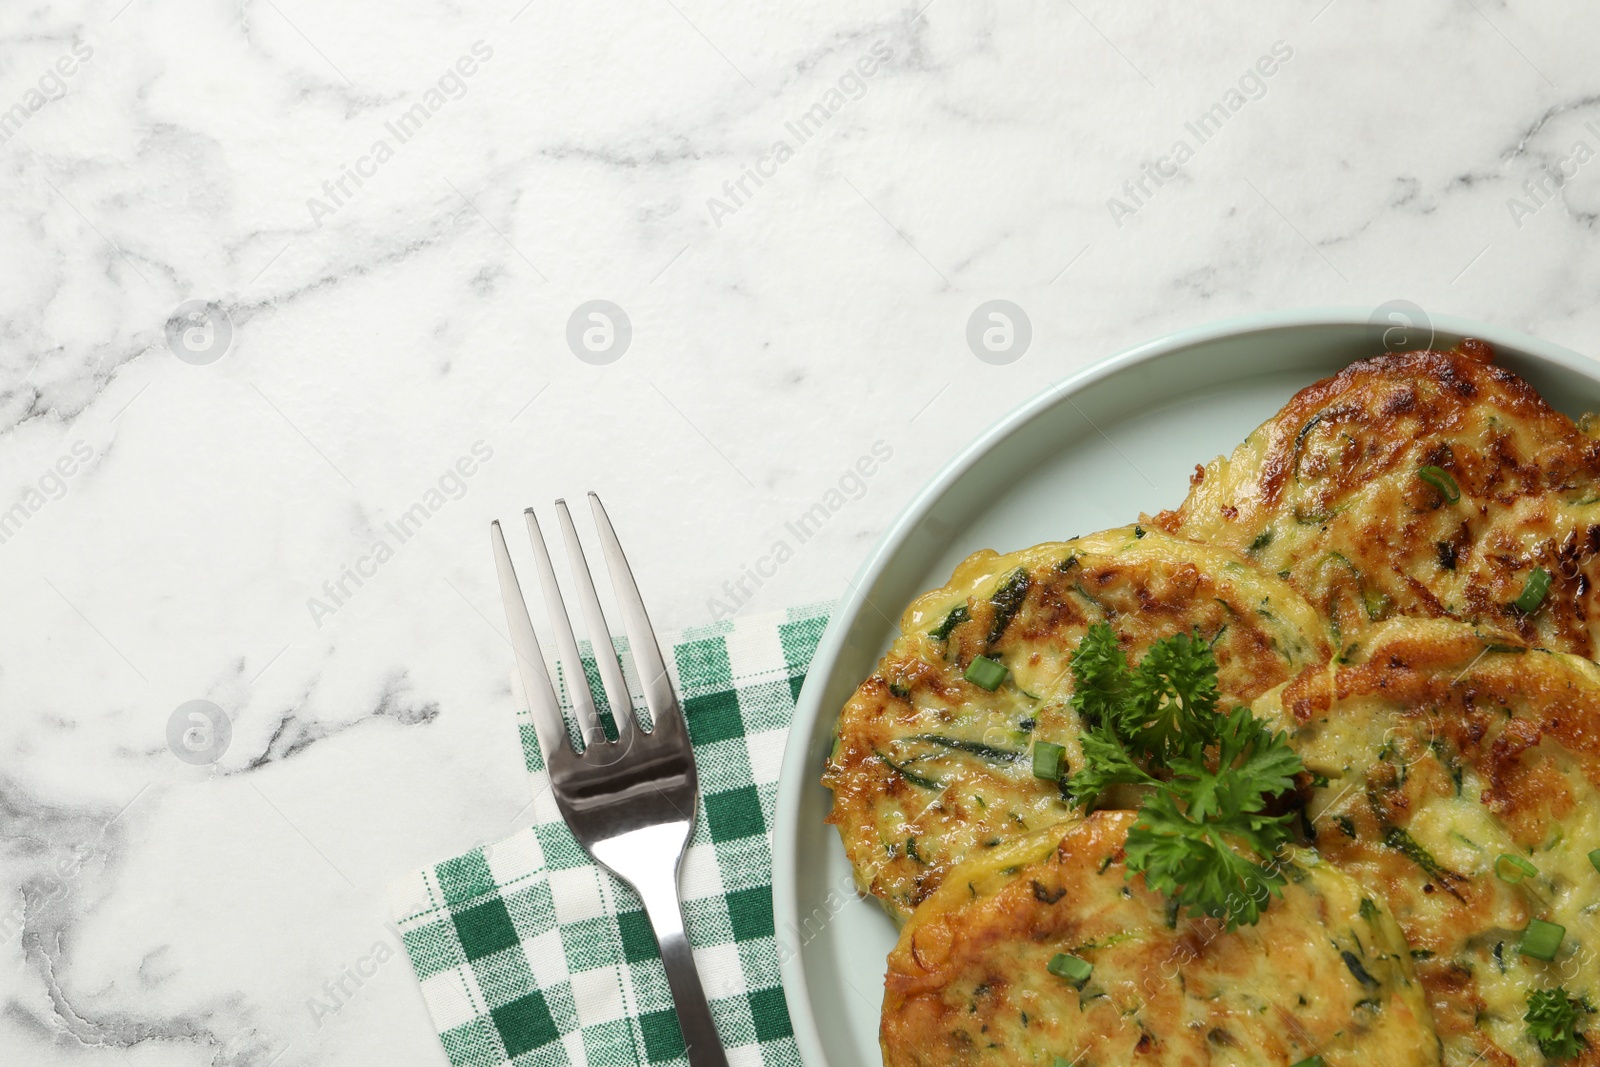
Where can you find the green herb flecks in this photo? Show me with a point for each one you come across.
(1441, 480)
(1007, 601)
(951, 621)
(1353, 964)
(1513, 869)
(1048, 760)
(1402, 842)
(1316, 518)
(908, 774)
(1300, 441)
(1533, 591)
(1542, 940)
(972, 748)
(986, 673)
(1071, 968)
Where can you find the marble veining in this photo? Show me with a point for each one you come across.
(263, 383)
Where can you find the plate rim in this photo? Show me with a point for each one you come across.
(792, 776)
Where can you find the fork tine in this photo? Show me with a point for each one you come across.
(594, 620)
(548, 725)
(658, 694)
(566, 644)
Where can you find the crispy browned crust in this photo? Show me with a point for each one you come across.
(968, 982)
(1442, 719)
(1329, 484)
(1437, 721)
(1148, 588)
(1453, 684)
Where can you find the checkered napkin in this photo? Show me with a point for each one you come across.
(528, 954)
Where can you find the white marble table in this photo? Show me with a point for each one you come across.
(385, 216)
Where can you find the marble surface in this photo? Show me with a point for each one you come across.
(285, 281)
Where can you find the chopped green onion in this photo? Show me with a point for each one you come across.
(1534, 592)
(1441, 480)
(1594, 859)
(1513, 869)
(986, 673)
(1311, 1061)
(1047, 760)
(1070, 967)
(1541, 940)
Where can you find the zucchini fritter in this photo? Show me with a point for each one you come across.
(970, 982)
(1463, 786)
(928, 767)
(1328, 493)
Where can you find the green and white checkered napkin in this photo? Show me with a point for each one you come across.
(528, 954)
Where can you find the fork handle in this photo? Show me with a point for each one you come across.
(700, 1038)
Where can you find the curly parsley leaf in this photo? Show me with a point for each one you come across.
(1099, 675)
(1552, 1020)
(1252, 763)
(1106, 763)
(1201, 836)
(1171, 697)
(1195, 864)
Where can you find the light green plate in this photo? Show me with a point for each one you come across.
(1103, 445)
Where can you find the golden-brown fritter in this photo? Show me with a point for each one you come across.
(1328, 494)
(928, 768)
(1463, 785)
(1324, 973)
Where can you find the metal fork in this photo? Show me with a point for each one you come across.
(630, 802)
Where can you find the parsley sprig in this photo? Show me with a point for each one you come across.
(1201, 837)
(1552, 1020)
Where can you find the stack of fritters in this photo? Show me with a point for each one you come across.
(1367, 565)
